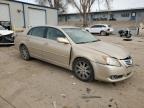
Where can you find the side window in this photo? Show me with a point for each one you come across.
(53, 34)
(100, 26)
(95, 26)
(37, 32)
(103, 26)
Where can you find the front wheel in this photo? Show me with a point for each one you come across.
(87, 30)
(83, 70)
(24, 52)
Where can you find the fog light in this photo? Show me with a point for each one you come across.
(114, 77)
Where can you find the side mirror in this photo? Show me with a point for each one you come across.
(62, 40)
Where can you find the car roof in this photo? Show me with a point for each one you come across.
(59, 27)
(100, 24)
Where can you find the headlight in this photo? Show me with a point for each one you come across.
(112, 61)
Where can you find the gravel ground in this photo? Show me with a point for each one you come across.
(37, 84)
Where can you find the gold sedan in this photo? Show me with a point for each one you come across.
(76, 49)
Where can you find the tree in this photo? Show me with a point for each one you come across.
(108, 6)
(84, 8)
(58, 4)
(41, 2)
(61, 5)
(50, 3)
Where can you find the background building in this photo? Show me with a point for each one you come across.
(134, 16)
(17, 15)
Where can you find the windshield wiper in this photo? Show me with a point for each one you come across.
(89, 41)
(81, 42)
(96, 40)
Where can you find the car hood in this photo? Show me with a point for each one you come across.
(5, 32)
(110, 49)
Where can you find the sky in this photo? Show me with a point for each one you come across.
(124, 4)
(116, 5)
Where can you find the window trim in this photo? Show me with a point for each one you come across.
(55, 29)
(98, 26)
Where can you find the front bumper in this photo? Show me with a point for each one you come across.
(7, 39)
(109, 32)
(109, 73)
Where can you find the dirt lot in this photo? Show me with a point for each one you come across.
(36, 84)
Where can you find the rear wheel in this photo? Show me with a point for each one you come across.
(24, 52)
(107, 34)
(83, 70)
(103, 33)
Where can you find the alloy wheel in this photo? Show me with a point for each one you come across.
(83, 70)
(24, 52)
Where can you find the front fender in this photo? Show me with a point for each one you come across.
(92, 56)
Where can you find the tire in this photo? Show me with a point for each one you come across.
(87, 30)
(107, 34)
(128, 36)
(83, 70)
(24, 52)
(103, 33)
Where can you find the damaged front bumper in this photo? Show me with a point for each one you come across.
(112, 73)
(7, 39)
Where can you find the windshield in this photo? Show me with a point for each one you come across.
(1, 28)
(80, 36)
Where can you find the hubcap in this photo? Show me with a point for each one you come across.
(83, 70)
(102, 33)
(24, 52)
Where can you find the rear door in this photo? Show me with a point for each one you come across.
(36, 41)
(55, 52)
(99, 28)
(94, 29)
